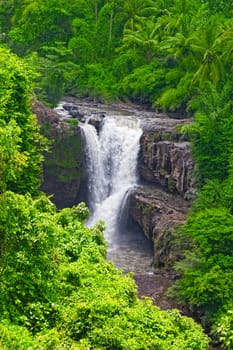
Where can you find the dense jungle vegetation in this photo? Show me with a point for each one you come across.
(56, 289)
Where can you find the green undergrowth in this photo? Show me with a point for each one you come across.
(59, 292)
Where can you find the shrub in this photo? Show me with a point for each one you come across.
(206, 283)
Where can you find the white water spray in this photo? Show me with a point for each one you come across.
(111, 161)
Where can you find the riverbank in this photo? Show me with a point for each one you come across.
(154, 286)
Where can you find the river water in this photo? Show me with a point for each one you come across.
(111, 162)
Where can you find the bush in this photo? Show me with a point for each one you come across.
(223, 328)
(176, 97)
(101, 84)
(15, 111)
(144, 83)
(206, 283)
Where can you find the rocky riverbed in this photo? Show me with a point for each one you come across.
(154, 286)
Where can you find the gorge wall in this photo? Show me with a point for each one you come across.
(165, 168)
(63, 174)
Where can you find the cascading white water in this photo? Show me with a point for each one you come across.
(111, 163)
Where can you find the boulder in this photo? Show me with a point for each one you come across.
(96, 119)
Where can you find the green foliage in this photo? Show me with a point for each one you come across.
(195, 37)
(54, 279)
(212, 134)
(212, 195)
(80, 212)
(12, 161)
(174, 98)
(143, 82)
(227, 188)
(34, 241)
(82, 50)
(143, 327)
(28, 259)
(18, 337)
(220, 6)
(25, 149)
(206, 272)
(206, 282)
(101, 83)
(224, 329)
(57, 72)
(105, 310)
(14, 337)
(58, 291)
(125, 63)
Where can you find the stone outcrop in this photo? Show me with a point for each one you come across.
(46, 116)
(165, 168)
(158, 214)
(165, 158)
(63, 166)
(83, 113)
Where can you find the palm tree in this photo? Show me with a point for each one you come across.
(135, 10)
(179, 45)
(207, 47)
(226, 42)
(144, 37)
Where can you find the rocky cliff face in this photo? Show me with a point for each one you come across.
(63, 170)
(159, 213)
(165, 168)
(165, 157)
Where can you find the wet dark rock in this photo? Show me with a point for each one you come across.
(96, 120)
(75, 112)
(67, 106)
(155, 286)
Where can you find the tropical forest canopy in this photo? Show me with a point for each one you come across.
(56, 288)
(160, 52)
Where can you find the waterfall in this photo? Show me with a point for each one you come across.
(111, 151)
(111, 165)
